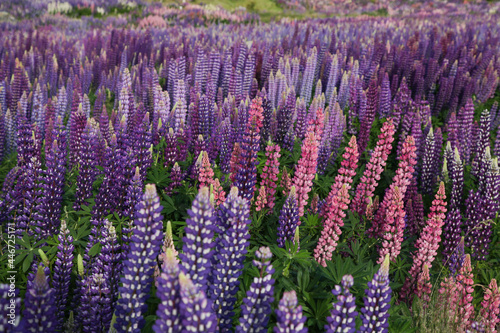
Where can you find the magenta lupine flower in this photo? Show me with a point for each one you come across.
(428, 243)
(169, 316)
(393, 227)
(375, 313)
(289, 315)
(306, 169)
(218, 193)
(246, 174)
(343, 315)
(256, 306)
(235, 157)
(261, 201)
(490, 306)
(336, 203)
(402, 179)
(270, 173)
(465, 289)
(374, 168)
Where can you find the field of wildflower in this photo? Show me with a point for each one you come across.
(186, 167)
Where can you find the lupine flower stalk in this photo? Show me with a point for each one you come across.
(424, 287)
(289, 219)
(374, 168)
(336, 203)
(230, 254)
(197, 249)
(465, 290)
(168, 291)
(270, 173)
(206, 173)
(138, 268)
(39, 308)
(343, 315)
(428, 243)
(375, 313)
(62, 272)
(256, 307)
(289, 315)
(490, 307)
(246, 176)
(393, 228)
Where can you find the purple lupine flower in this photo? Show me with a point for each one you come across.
(375, 313)
(289, 315)
(62, 272)
(385, 97)
(195, 308)
(289, 219)
(479, 166)
(78, 121)
(170, 147)
(197, 243)
(133, 196)
(228, 260)
(10, 305)
(343, 314)
(451, 233)
(168, 313)
(175, 179)
(428, 175)
(3, 137)
(465, 118)
(138, 268)
(142, 146)
(256, 307)
(87, 171)
(48, 208)
(456, 260)
(39, 308)
(95, 303)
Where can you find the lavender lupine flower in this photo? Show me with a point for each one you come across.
(369, 116)
(289, 315)
(289, 219)
(169, 315)
(62, 272)
(87, 171)
(10, 305)
(198, 241)
(195, 307)
(231, 250)
(256, 307)
(343, 314)
(109, 261)
(95, 303)
(138, 268)
(375, 313)
(39, 308)
(457, 258)
(134, 194)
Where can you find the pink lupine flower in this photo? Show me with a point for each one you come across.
(234, 162)
(465, 290)
(490, 307)
(371, 176)
(401, 180)
(286, 182)
(270, 174)
(393, 228)
(448, 297)
(218, 192)
(306, 170)
(424, 287)
(428, 243)
(336, 203)
(261, 201)
(206, 173)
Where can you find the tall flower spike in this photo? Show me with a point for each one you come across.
(195, 308)
(375, 313)
(169, 315)
(336, 203)
(428, 243)
(138, 268)
(393, 228)
(289, 315)
(39, 308)
(62, 272)
(270, 173)
(231, 250)
(343, 315)
(465, 290)
(246, 175)
(289, 219)
(424, 287)
(256, 307)
(490, 307)
(374, 168)
(198, 240)
(206, 173)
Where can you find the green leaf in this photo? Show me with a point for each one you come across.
(27, 262)
(94, 250)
